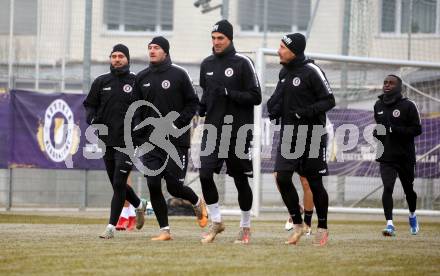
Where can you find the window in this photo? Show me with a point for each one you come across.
(396, 15)
(138, 15)
(282, 15)
(25, 17)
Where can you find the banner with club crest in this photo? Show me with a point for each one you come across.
(48, 131)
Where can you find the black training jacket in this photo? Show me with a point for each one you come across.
(169, 88)
(107, 102)
(235, 73)
(302, 95)
(402, 122)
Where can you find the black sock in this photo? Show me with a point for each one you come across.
(289, 195)
(308, 217)
(322, 223)
(320, 199)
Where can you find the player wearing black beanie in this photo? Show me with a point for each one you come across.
(230, 92)
(107, 102)
(168, 87)
(224, 27)
(123, 49)
(162, 42)
(301, 98)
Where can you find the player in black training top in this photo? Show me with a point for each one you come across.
(301, 99)
(107, 102)
(401, 120)
(230, 92)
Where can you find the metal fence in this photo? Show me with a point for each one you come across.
(356, 83)
(60, 45)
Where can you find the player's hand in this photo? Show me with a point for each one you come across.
(300, 113)
(217, 87)
(388, 127)
(275, 121)
(272, 117)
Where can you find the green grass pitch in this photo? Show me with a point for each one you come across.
(59, 245)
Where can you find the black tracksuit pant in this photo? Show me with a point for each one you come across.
(118, 166)
(389, 173)
(290, 197)
(174, 178)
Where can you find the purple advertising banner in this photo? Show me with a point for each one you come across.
(47, 131)
(359, 159)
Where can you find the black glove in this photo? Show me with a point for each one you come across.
(222, 91)
(273, 117)
(275, 105)
(90, 120)
(201, 112)
(392, 129)
(179, 123)
(300, 113)
(91, 116)
(217, 87)
(388, 127)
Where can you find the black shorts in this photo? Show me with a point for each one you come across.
(234, 164)
(121, 160)
(304, 165)
(155, 160)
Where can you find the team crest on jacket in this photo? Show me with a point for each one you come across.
(166, 84)
(396, 113)
(296, 81)
(229, 72)
(127, 88)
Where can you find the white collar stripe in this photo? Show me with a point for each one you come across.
(187, 74)
(183, 69)
(417, 109)
(252, 68)
(321, 75)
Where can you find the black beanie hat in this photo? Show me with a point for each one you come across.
(123, 49)
(224, 27)
(162, 42)
(295, 42)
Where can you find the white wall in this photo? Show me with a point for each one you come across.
(190, 38)
(191, 41)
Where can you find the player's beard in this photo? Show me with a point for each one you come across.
(120, 70)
